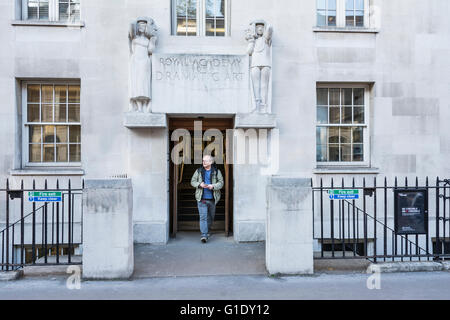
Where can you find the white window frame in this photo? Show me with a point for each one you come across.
(341, 14)
(53, 11)
(365, 125)
(26, 126)
(201, 17)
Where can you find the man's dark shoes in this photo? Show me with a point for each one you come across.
(204, 239)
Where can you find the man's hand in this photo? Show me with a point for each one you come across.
(210, 187)
(203, 185)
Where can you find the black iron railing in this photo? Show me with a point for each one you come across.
(357, 228)
(48, 234)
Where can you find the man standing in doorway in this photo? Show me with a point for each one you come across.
(208, 181)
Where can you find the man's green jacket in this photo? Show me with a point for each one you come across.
(216, 181)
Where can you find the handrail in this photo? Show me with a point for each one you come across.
(384, 225)
(20, 220)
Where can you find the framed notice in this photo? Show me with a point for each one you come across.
(411, 211)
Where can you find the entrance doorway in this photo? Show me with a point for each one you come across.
(183, 206)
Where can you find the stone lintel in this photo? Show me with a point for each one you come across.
(256, 120)
(133, 120)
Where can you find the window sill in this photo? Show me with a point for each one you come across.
(345, 30)
(79, 24)
(47, 172)
(346, 170)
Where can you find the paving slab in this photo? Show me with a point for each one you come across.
(186, 255)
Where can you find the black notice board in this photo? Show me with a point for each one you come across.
(411, 211)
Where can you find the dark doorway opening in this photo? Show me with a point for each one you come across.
(183, 206)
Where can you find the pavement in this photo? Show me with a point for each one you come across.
(186, 255)
(423, 286)
(186, 269)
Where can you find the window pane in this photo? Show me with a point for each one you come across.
(75, 12)
(34, 153)
(359, 4)
(74, 94)
(35, 134)
(74, 113)
(347, 115)
(322, 153)
(321, 4)
(349, 4)
(181, 27)
(331, 4)
(335, 115)
(210, 27)
(358, 152)
(333, 153)
(332, 18)
(192, 27)
(322, 97)
(333, 135)
(47, 94)
(33, 113)
(358, 135)
(359, 18)
(335, 97)
(347, 97)
(49, 134)
(33, 9)
(43, 10)
(359, 96)
(346, 135)
(33, 93)
(192, 8)
(61, 152)
(47, 113)
(220, 28)
(321, 18)
(49, 153)
(210, 10)
(75, 153)
(181, 7)
(63, 11)
(60, 94)
(321, 135)
(346, 152)
(60, 113)
(358, 115)
(349, 19)
(322, 115)
(61, 134)
(75, 134)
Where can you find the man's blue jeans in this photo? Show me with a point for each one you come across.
(206, 211)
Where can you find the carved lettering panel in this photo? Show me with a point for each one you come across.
(187, 83)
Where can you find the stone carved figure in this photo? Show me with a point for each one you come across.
(142, 41)
(259, 37)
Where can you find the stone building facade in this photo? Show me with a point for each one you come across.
(355, 90)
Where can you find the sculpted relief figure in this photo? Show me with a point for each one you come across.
(142, 42)
(259, 37)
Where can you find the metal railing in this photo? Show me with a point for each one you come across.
(48, 234)
(365, 227)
